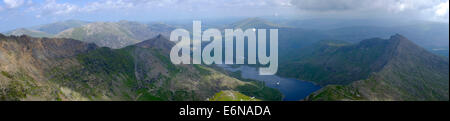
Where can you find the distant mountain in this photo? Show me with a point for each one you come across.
(55, 28)
(29, 32)
(424, 34)
(67, 69)
(47, 30)
(330, 23)
(433, 36)
(159, 43)
(293, 40)
(116, 35)
(101, 33)
(257, 23)
(374, 69)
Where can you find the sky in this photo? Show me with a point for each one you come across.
(26, 13)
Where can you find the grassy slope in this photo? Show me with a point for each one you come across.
(231, 96)
(335, 93)
(411, 74)
(328, 61)
(257, 89)
(112, 73)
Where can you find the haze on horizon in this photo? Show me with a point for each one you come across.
(25, 13)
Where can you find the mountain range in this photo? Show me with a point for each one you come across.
(47, 30)
(77, 60)
(116, 35)
(68, 69)
(104, 34)
(432, 36)
(374, 69)
(29, 32)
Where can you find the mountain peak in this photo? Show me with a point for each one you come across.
(398, 36)
(393, 42)
(159, 37)
(405, 43)
(158, 42)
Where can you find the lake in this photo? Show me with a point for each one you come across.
(292, 89)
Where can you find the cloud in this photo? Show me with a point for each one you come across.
(13, 3)
(49, 7)
(346, 5)
(328, 5)
(442, 9)
(441, 12)
(107, 4)
(425, 9)
(52, 7)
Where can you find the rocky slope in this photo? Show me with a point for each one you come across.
(66, 69)
(400, 70)
(116, 34)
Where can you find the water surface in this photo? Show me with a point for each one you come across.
(292, 89)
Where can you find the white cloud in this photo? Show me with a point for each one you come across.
(327, 5)
(107, 4)
(440, 12)
(423, 9)
(343, 5)
(442, 9)
(13, 3)
(51, 7)
(57, 7)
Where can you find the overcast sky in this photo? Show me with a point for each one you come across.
(24, 13)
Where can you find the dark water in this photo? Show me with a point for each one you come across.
(292, 89)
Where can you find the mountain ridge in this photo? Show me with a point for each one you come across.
(409, 72)
(115, 34)
(68, 69)
(29, 32)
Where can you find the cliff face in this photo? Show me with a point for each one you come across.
(66, 69)
(411, 74)
(402, 71)
(24, 62)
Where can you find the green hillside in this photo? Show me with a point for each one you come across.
(402, 71)
(65, 69)
(115, 34)
(231, 96)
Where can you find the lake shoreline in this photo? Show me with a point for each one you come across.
(292, 89)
